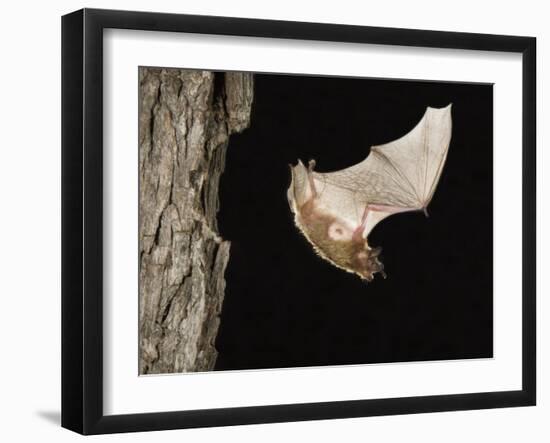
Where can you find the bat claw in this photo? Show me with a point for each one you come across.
(425, 209)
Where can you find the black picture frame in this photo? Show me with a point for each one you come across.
(82, 218)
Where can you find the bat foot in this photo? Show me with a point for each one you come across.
(311, 165)
(425, 210)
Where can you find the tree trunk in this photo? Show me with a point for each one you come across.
(185, 120)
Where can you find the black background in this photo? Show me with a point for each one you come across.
(286, 307)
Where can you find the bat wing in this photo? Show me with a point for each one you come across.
(395, 177)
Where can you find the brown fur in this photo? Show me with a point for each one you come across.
(353, 255)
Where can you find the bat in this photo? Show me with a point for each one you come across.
(336, 211)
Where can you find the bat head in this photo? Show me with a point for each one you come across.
(366, 264)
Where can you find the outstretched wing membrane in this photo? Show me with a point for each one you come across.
(395, 177)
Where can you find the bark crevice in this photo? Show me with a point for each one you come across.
(185, 121)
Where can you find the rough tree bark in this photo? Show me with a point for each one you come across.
(185, 121)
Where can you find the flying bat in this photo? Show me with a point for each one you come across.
(337, 210)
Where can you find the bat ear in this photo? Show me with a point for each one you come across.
(299, 190)
(375, 252)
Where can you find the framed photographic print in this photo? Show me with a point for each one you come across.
(269, 221)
